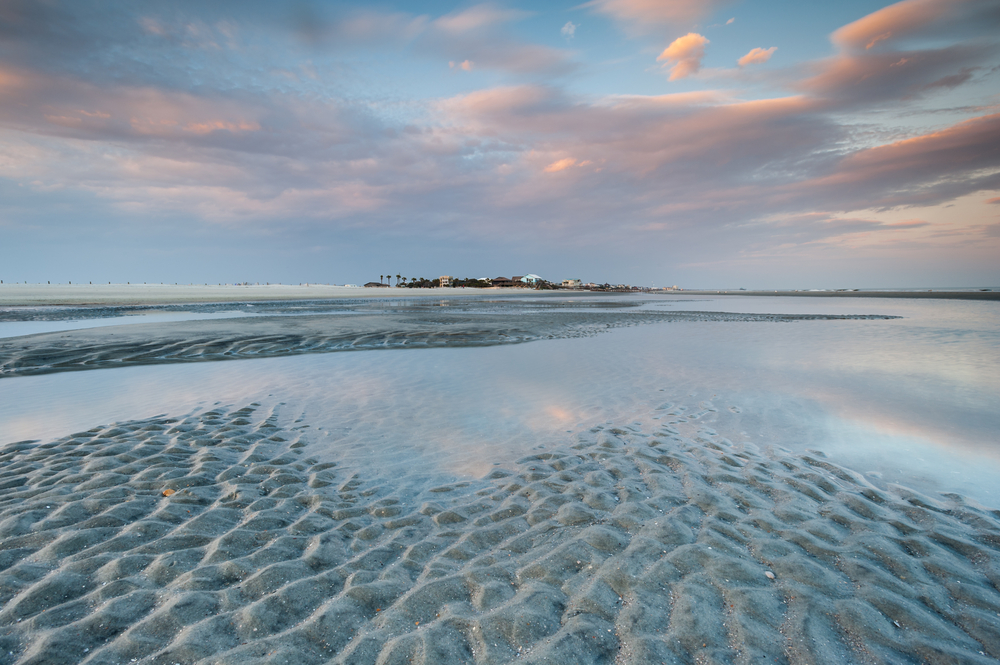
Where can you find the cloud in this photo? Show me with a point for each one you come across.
(757, 56)
(649, 13)
(479, 35)
(569, 30)
(560, 165)
(902, 52)
(891, 23)
(868, 78)
(923, 170)
(477, 18)
(995, 200)
(731, 21)
(465, 65)
(684, 55)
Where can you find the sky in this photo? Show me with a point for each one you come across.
(698, 143)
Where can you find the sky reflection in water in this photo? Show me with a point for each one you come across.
(913, 400)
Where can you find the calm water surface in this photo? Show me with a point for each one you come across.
(914, 401)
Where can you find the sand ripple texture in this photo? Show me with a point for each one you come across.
(271, 336)
(624, 547)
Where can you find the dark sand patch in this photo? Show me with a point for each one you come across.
(271, 336)
(623, 547)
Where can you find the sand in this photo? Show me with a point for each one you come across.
(620, 546)
(970, 294)
(158, 294)
(406, 324)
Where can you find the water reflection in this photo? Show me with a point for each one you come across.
(915, 400)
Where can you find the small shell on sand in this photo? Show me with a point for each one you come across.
(168, 492)
(769, 575)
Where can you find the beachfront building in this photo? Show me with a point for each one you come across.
(502, 281)
(446, 280)
(572, 283)
(376, 285)
(531, 279)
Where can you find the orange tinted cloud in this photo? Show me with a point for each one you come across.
(639, 12)
(958, 146)
(891, 22)
(923, 170)
(757, 56)
(560, 165)
(685, 54)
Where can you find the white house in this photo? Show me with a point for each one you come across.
(446, 280)
(572, 283)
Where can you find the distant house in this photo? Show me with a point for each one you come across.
(572, 283)
(531, 279)
(447, 280)
(502, 281)
(376, 285)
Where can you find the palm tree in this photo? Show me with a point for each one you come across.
(380, 278)
(397, 279)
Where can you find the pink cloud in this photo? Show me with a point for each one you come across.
(560, 165)
(684, 55)
(891, 22)
(878, 60)
(638, 12)
(867, 77)
(995, 199)
(924, 170)
(757, 56)
(969, 144)
(476, 18)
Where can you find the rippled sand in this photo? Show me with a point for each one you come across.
(622, 546)
(407, 325)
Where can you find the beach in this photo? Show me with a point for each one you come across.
(491, 480)
(160, 294)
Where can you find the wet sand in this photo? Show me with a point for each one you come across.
(159, 294)
(621, 546)
(471, 323)
(976, 294)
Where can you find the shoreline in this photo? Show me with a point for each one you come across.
(41, 295)
(213, 538)
(943, 295)
(36, 295)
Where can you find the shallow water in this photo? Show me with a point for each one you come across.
(914, 400)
